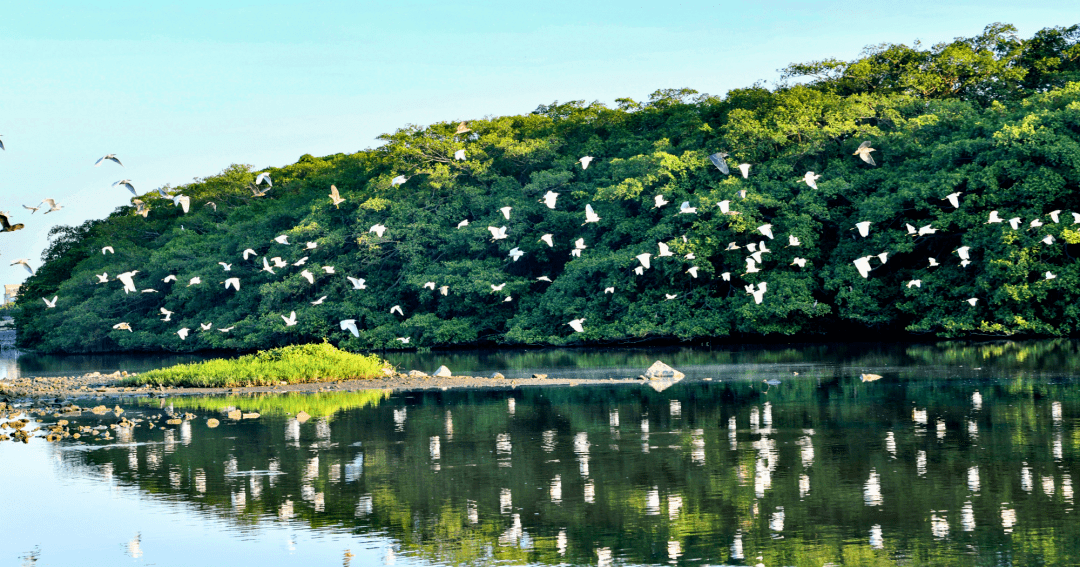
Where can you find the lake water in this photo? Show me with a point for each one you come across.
(959, 455)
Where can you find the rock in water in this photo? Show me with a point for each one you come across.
(442, 372)
(302, 416)
(235, 414)
(417, 374)
(661, 371)
(212, 423)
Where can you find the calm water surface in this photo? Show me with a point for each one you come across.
(959, 455)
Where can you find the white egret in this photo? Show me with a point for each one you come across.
(516, 253)
(266, 266)
(741, 193)
(311, 246)
(52, 205)
(31, 209)
(429, 285)
(166, 313)
(290, 321)
(1049, 276)
(726, 276)
(168, 278)
(182, 201)
(183, 333)
(664, 250)
(644, 259)
(126, 183)
(744, 168)
(692, 271)
(549, 199)
(659, 201)
(883, 257)
(463, 223)
(107, 249)
(194, 281)
(108, 157)
(50, 304)
(911, 230)
(690, 256)
(498, 287)
(1015, 223)
(590, 215)
(319, 301)
(863, 265)
(963, 252)
(863, 228)
(933, 263)
(206, 326)
(508, 299)
(1049, 239)
(766, 229)
(757, 256)
(686, 209)
(123, 326)
(497, 233)
(579, 244)
(640, 270)
(972, 301)
(953, 199)
(585, 161)
(609, 290)
(358, 283)
(864, 152)
(444, 290)
(914, 283)
(308, 276)
(671, 296)
(576, 252)
(404, 340)
(264, 176)
(576, 325)
(300, 262)
(278, 262)
(1036, 223)
(732, 246)
(127, 278)
(329, 269)
(1054, 216)
(793, 240)
(150, 290)
(459, 155)
(249, 252)
(725, 207)
(718, 160)
(964, 263)
(994, 218)
(547, 239)
(227, 329)
(926, 230)
(349, 325)
(800, 262)
(102, 278)
(226, 267)
(378, 229)
(751, 267)
(233, 282)
(810, 178)
(506, 212)
(1076, 218)
(284, 239)
(462, 128)
(543, 279)
(335, 197)
(759, 293)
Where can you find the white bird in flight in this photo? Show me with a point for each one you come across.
(399, 180)
(1054, 216)
(168, 278)
(926, 230)
(498, 287)
(547, 239)
(249, 252)
(52, 205)
(800, 262)
(664, 250)
(717, 159)
(319, 301)
(25, 263)
(914, 283)
(585, 161)
(863, 228)
(226, 267)
(549, 199)
(864, 152)
(1015, 223)
(972, 301)
(166, 313)
(506, 212)
(107, 249)
(994, 218)
(31, 209)
(378, 229)
(290, 321)
(759, 293)
(963, 252)
(358, 283)
(308, 276)
(126, 183)
(404, 340)
(194, 281)
(50, 304)
(863, 265)
(266, 266)
(659, 201)
(726, 276)
(644, 259)
(234, 282)
(463, 223)
(609, 290)
(751, 266)
(328, 269)
(576, 325)
(766, 229)
(793, 240)
(349, 325)
(933, 263)
(497, 233)
(206, 326)
(102, 278)
(590, 214)
(516, 253)
(1049, 239)
(692, 271)
(398, 309)
(810, 178)
(1049, 276)
(183, 333)
(123, 326)
(744, 168)
(264, 176)
(335, 197)
(284, 239)
(182, 201)
(459, 155)
(686, 209)
(108, 157)
(953, 199)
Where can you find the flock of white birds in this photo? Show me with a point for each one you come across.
(757, 250)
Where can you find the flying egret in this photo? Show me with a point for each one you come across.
(227, 329)
(429, 285)
(964, 263)
(1036, 223)
(926, 230)
(744, 168)
(266, 266)
(308, 276)
(398, 309)
(31, 209)
(25, 263)
(50, 304)
(953, 199)
(547, 239)
(168, 278)
(226, 267)
(549, 199)
(249, 252)
(508, 299)
(732, 246)
(462, 128)
(166, 313)
(725, 207)
(1076, 218)
(444, 290)
(726, 276)
(107, 249)
(741, 193)
(579, 244)
(278, 262)
(2, 145)
(933, 263)
(300, 262)
(358, 283)
(150, 290)
(234, 282)
(644, 259)
(810, 178)
(257, 191)
(126, 183)
(497, 233)
(751, 267)
(206, 326)
(52, 207)
(123, 326)
(717, 159)
(759, 293)
(264, 176)
(102, 277)
(800, 262)
(690, 256)
(319, 301)
(1015, 223)
(686, 209)
(378, 229)
(290, 321)
(498, 287)
(463, 223)
(404, 340)
(1049, 239)
(762, 248)
(1049, 276)
(671, 296)
(585, 161)
(183, 333)
(994, 218)
(182, 201)
(766, 229)
(757, 256)
(310, 246)
(1054, 216)
(863, 228)
(914, 283)
(349, 325)
(640, 270)
(459, 155)
(335, 197)
(911, 230)
(883, 257)
(972, 301)
(590, 215)
(194, 281)
(659, 201)
(752, 246)
(576, 325)
(107, 157)
(664, 250)
(127, 278)
(543, 279)
(328, 269)
(693, 271)
(506, 212)
(609, 290)
(516, 253)
(963, 252)
(864, 152)
(863, 265)
(793, 240)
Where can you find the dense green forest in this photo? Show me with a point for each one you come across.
(994, 118)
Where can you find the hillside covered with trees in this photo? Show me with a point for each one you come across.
(994, 118)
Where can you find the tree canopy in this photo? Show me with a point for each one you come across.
(994, 118)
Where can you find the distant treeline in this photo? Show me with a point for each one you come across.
(994, 118)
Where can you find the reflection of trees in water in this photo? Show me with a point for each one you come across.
(811, 471)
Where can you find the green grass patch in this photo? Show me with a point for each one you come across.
(318, 404)
(297, 364)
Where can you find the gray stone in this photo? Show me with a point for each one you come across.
(417, 374)
(442, 372)
(661, 371)
(498, 376)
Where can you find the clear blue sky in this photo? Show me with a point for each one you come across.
(182, 90)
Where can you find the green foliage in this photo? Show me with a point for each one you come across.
(994, 117)
(297, 364)
(315, 404)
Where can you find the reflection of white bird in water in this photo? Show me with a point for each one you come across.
(585, 161)
(350, 325)
(398, 309)
(590, 215)
(549, 199)
(811, 179)
(576, 325)
(547, 239)
(290, 321)
(497, 233)
(166, 313)
(108, 157)
(659, 201)
(686, 209)
(183, 333)
(644, 259)
(358, 283)
(506, 212)
(50, 304)
(864, 153)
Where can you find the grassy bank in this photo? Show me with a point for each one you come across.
(297, 364)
